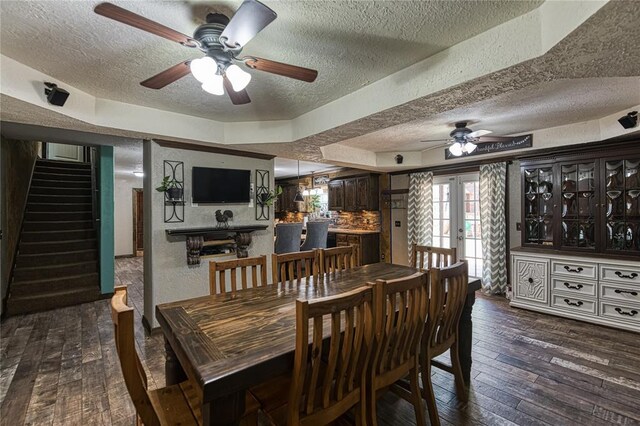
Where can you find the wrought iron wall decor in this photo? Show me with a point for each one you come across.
(262, 191)
(174, 207)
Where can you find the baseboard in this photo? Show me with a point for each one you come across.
(147, 327)
(125, 256)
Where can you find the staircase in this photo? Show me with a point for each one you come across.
(57, 260)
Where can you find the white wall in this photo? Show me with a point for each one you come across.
(168, 278)
(123, 210)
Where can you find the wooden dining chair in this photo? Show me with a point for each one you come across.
(448, 292)
(171, 405)
(400, 309)
(329, 378)
(338, 259)
(427, 257)
(256, 266)
(290, 267)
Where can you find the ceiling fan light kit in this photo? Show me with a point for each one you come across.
(221, 40)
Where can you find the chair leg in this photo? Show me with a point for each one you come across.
(461, 388)
(372, 409)
(416, 397)
(427, 391)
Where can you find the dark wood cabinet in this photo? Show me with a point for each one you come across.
(367, 245)
(284, 202)
(336, 195)
(354, 194)
(587, 203)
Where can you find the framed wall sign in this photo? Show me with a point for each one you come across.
(517, 142)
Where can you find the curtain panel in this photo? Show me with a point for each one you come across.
(420, 210)
(493, 227)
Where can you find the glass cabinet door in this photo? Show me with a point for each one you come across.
(578, 205)
(538, 205)
(622, 188)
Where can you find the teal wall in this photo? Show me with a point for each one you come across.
(107, 267)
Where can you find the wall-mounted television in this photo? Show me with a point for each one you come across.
(211, 185)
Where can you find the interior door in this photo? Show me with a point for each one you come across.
(456, 217)
(58, 151)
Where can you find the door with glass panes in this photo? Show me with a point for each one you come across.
(456, 217)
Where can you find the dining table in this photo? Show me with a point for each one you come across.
(226, 343)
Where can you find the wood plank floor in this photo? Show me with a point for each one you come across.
(61, 367)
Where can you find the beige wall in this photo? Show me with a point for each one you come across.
(123, 210)
(167, 276)
(18, 158)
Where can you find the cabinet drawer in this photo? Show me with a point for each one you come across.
(614, 291)
(620, 274)
(574, 304)
(353, 239)
(341, 238)
(621, 312)
(530, 280)
(586, 288)
(582, 270)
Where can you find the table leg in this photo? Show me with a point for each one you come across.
(224, 411)
(465, 338)
(173, 371)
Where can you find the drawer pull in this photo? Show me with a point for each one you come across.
(633, 293)
(530, 280)
(577, 271)
(570, 303)
(574, 287)
(631, 277)
(631, 314)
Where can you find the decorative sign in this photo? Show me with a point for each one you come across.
(320, 180)
(517, 142)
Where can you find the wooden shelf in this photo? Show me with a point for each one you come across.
(215, 230)
(218, 242)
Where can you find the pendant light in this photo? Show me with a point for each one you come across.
(298, 198)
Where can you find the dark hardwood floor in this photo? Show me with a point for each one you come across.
(61, 367)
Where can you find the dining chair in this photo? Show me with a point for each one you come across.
(400, 310)
(434, 257)
(256, 266)
(338, 259)
(289, 267)
(448, 292)
(317, 232)
(288, 236)
(329, 377)
(170, 405)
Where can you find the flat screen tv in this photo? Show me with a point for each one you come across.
(220, 185)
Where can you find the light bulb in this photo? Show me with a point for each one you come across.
(203, 68)
(469, 147)
(305, 192)
(456, 149)
(238, 78)
(214, 85)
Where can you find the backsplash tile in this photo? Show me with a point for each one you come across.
(365, 220)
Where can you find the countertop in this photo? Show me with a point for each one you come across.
(352, 231)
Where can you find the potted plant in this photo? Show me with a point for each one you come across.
(171, 188)
(268, 198)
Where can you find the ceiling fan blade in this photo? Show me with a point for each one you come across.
(167, 76)
(286, 70)
(438, 140)
(479, 133)
(250, 18)
(237, 98)
(495, 139)
(442, 145)
(123, 15)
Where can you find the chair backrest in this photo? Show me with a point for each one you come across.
(426, 257)
(217, 273)
(288, 236)
(132, 370)
(338, 259)
(330, 379)
(448, 292)
(400, 312)
(290, 267)
(317, 232)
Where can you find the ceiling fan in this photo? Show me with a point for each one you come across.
(221, 40)
(463, 140)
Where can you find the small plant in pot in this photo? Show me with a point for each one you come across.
(171, 188)
(268, 198)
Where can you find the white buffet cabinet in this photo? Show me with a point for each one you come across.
(597, 290)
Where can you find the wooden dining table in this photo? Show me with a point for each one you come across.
(227, 343)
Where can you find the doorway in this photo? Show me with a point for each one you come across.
(138, 222)
(65, 152)
(456, 217)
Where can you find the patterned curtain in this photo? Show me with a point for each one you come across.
(420, 210)
(493, 227)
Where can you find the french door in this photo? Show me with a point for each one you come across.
(456, 217)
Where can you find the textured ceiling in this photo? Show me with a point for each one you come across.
(350, 43)
(284, 167)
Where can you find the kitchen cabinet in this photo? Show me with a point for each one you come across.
(367, 246)
(284, 202)
(354, 193)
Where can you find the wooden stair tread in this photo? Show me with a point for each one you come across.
(58, 253)
(56, 221)
(60, 265)
(56, 293)
(45, 280)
